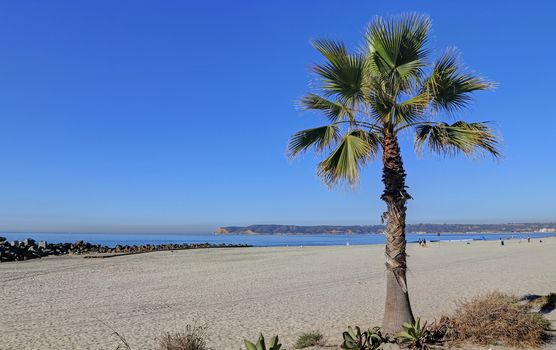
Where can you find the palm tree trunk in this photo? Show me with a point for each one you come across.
(397, 309)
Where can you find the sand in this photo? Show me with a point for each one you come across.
(69, 302)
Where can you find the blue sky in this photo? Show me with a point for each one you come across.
(173, 116)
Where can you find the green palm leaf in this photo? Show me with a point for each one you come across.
(319, 138)
(450, 86)
(397, 48)
(460, 137)
(334, 51)
(352, 152)
(381, 103)
(412, 109)
(334, 111)
(344, 76)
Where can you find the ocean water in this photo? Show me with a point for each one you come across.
(258, 240)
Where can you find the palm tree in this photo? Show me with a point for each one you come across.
(388, 87)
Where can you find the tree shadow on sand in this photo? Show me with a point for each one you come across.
(545, 303)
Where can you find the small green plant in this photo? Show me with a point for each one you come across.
(415, 336)
(309, 339)
(273, 345)
(371, 339)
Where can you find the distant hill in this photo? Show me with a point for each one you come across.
(378, 229)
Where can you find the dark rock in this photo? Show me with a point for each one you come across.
(19, 251)
(28, 242)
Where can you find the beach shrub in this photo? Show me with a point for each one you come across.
(193, 338)
(415, 335)
(273, 345)
(313, 338)
(371, 339)
(498, 319)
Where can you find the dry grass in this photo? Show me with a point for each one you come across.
(193, 338)
(498, 319)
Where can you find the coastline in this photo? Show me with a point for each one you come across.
(420, 228)
(240, 292)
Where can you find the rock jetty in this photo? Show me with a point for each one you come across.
(31, 249)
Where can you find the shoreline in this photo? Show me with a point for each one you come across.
(15, 250)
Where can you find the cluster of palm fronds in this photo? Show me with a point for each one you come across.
(389, 85)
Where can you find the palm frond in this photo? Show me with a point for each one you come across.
(412, 109)
(319, 138)
(353, 151)
(334, 111)
(373, 138)
(381, 103)
(450, 86)
(459, 137)
(344, 76)
(397, 47)
(333, 51)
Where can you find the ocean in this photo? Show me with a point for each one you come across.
(259, 240)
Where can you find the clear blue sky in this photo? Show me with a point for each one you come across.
(173, 116)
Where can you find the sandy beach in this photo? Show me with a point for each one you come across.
(67, 302)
